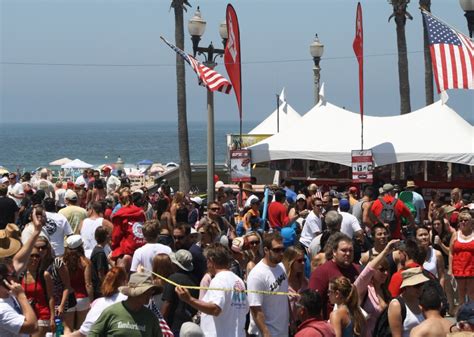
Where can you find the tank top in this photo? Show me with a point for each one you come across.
(36, 295)
(348, 331)
(78, 283)
(463, 257)
(88, 234)
(432, 263)
(411, 320)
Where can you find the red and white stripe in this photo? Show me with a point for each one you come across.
(209, 77)
(453, 65)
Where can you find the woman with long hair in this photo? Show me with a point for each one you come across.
(80, 272)
(293, 260)
(461, 257)
(434, 262)
(348, 319)
(38, 286)
(253, 250)
(372, 286)
(115, 278)
(178, 209)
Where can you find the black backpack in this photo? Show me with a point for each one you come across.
(388, 215)
(382, 327)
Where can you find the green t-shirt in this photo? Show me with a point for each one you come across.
(119, 321)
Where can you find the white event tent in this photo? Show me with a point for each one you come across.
(76, 164)
(329, 133)
(280, 120)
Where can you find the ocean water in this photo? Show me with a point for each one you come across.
(29, 146)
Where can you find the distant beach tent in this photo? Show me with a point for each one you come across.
(60, 162)
(393, 139)
(280, 120)
(76, 164)
(145, 162)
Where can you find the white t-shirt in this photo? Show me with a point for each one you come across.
(28, 232)
(275, 308)
(112, 183)
(11, 318)
(16, 189)
(88, 234)
(311, 227)
(97, 307)
(234, 306)
(315, 245)
(59, 196)
(57, 228)
(82, 181)
(349, 224)
(145, 254)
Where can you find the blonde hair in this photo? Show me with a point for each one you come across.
(289, 257)
(350, 297)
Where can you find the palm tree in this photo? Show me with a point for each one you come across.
(400, 13)
(185, 162)
(426, 5)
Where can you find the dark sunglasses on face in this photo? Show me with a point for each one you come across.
(254, 243)
(278, 250)
(215, 209)
(41, 247)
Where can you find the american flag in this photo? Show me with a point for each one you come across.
(207, 76)
(452, 55)
(165, 329)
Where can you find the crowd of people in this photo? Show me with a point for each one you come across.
(94, 257)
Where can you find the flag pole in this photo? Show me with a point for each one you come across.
(278, 113)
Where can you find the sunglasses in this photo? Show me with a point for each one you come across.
(41, 247)
(215, 209)
(278, 250)
(254, 243)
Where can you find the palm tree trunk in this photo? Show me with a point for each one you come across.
(185, 163)
(404, 84)
(426, 4)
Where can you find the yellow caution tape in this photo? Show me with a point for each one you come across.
(262, 292)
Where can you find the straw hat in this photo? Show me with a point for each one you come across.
(10, 242)
(247, 187)
(410, 184)
(139, 283)
(413, 277)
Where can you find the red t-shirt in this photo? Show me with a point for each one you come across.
(277, 215)
(396, 280)
(320, 277)
(127, 233)
(400, 210)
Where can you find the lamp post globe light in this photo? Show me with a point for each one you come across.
(316, 48)
(196, 28)
(468, 7)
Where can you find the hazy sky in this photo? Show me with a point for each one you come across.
(92, 60)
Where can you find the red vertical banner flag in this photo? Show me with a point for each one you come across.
(232, 55)
(358, 46)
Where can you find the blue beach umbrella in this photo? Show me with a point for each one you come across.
(145, 162)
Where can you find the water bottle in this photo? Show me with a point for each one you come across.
(59, 327)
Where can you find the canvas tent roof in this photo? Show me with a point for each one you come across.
(280, 119)
(76, 164)
(329, 133)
